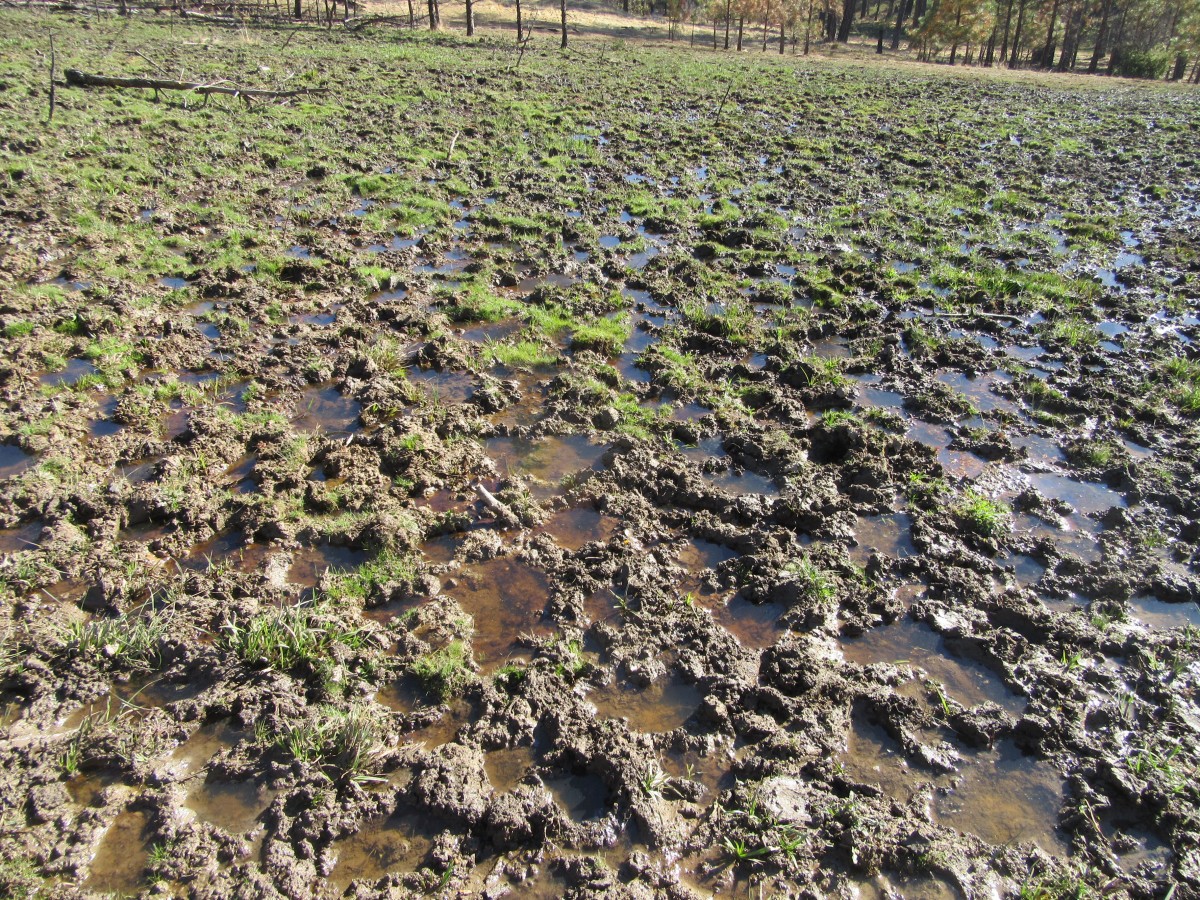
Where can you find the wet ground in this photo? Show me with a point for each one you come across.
(810, 510)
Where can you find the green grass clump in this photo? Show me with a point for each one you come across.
(1183, 382)
(551, 320)
(678, 369)
(475, 302)
(389, 568)
(18, 329)
(983, 515)
(522, 355)
(132, 640)
(606, 336)
(1074, 333)
(282, 639)
(816, 583)
(735, 321)
(445, 673)
(346, 739)
(1097, 454)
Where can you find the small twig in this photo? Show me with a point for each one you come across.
(453, 141)
(53, 93)
(293, 33)
(149, 60)
(524, 46)
(721, 108)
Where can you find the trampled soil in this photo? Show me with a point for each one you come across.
(488, 479)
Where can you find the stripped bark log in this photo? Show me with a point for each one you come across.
(503, 514)
(75, 78)
(210, 19)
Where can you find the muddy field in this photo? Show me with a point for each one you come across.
(630, 473)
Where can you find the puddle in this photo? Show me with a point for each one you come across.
(1038, 448)
(832, 348)
(324, 409)
(747, 482)
(310, 563)
(582, 797)
(914, 887)
(1160, 614)
(936, 437)
(120, 860)
(872, 757)
(755, 625)
(396, 243)
(1078, 536)
(231, 548)
(888, 534)
(961, 464)
(395, 844)
(441, 550)
(1028, 570)
(1005, 797)
(75, 369)
(195, 753)
(24, 537)
(506, 768)
(700, 554)
(1085, 496)
(444, 387)
(506, 598)
(661, 706)
(493, 331)
(912, 643)
(574, 527)
(232, 806)
(979, 390)
(534, 282)
(103, 425)
(610, 241)
(548, 461)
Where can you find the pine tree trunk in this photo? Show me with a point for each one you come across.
(562, 6)
(1007, 32)
(1101, 36)
(900, 13)
(848, 7)
(470, 18)
(1048, 49)
(1015, 52)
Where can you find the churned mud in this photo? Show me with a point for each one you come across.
(544, 481)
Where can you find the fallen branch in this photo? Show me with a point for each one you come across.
(357, 24)
(503, 513)
(75, 78)
(212, 20)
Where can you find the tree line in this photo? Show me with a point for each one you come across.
(1133, 38)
